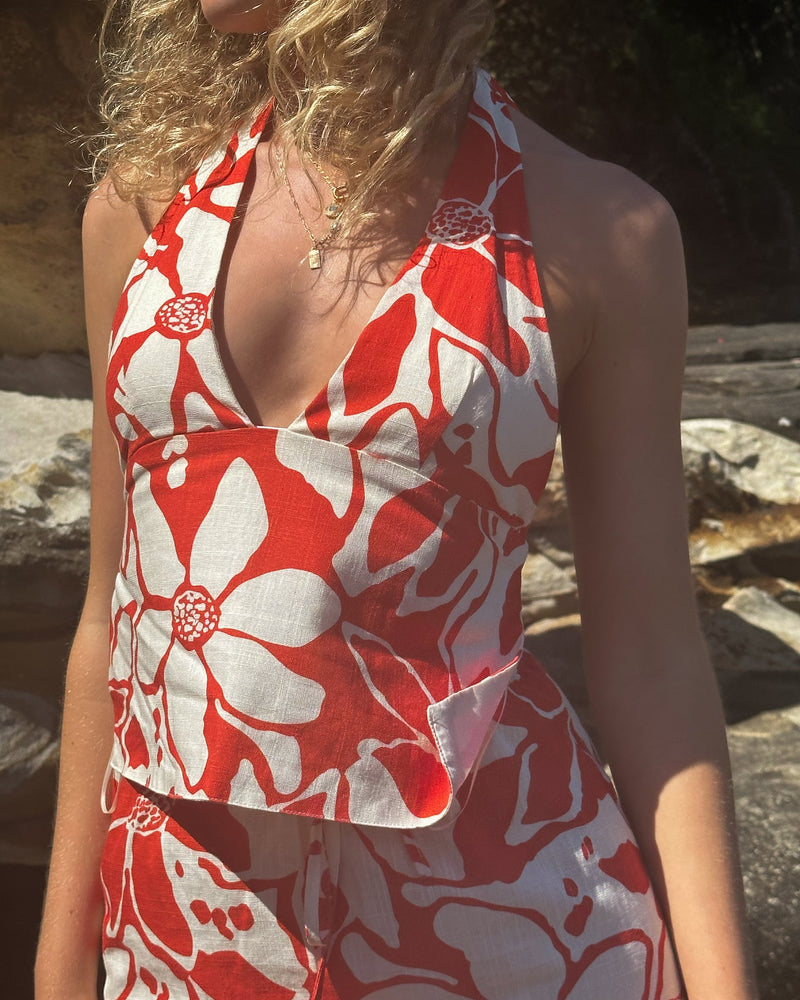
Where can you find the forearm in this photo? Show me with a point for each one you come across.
(70, 939)
(662, 731)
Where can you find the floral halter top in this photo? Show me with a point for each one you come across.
(323, 618)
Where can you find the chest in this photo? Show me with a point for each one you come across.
(439, 362)
(282, 327)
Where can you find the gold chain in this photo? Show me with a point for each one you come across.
(340, 194)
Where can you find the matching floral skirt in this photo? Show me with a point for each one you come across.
(535, 892)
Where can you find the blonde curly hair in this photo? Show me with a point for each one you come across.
(363, 85)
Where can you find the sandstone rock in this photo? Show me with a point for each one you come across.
(550, 519)
(725, 344)
(55, 489)
(764, 612)
(564, 558)
(742, 484)
(31, 426)
(44, 511)
(770, 534)
(745, 373)
(548, 591)
(764, 393)
(51, 373)
(43, 88)
(765, 756)
(787, 594)
(33, 657)
(753, 632)
(28, 756)
(754, 643)
(734, 468)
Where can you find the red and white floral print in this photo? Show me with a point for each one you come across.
(536, 889)
(352, 780)
(323, 618)
(195, 620)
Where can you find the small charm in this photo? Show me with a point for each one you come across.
(314, 258)
(332, 211)
(335, 226)
(340, 192)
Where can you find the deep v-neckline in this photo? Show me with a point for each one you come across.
(323, 393)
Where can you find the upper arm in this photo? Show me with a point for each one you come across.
(620, 425)
(113, 234)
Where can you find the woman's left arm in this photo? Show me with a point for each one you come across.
(652, 689)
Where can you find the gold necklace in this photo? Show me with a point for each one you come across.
(333, 211)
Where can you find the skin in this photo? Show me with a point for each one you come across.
(610, 258)
(242, 16)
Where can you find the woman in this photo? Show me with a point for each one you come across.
(330, 767)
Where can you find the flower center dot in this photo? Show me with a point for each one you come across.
(195, 616)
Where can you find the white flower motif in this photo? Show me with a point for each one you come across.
(225, 629)
(145, 387)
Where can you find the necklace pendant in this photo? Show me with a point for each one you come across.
(314, 258)
(332, 211)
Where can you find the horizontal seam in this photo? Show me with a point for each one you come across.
(158, 441)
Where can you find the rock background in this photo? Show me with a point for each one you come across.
(743, 491)
(589, 74)
(44, 79)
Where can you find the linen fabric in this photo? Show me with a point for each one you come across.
(536, 891)
(338, 773)
(323, 619)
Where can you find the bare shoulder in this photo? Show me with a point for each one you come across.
(113, 233)
(113, 223)
(118, 224)
(602, 236)
(610, 258)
